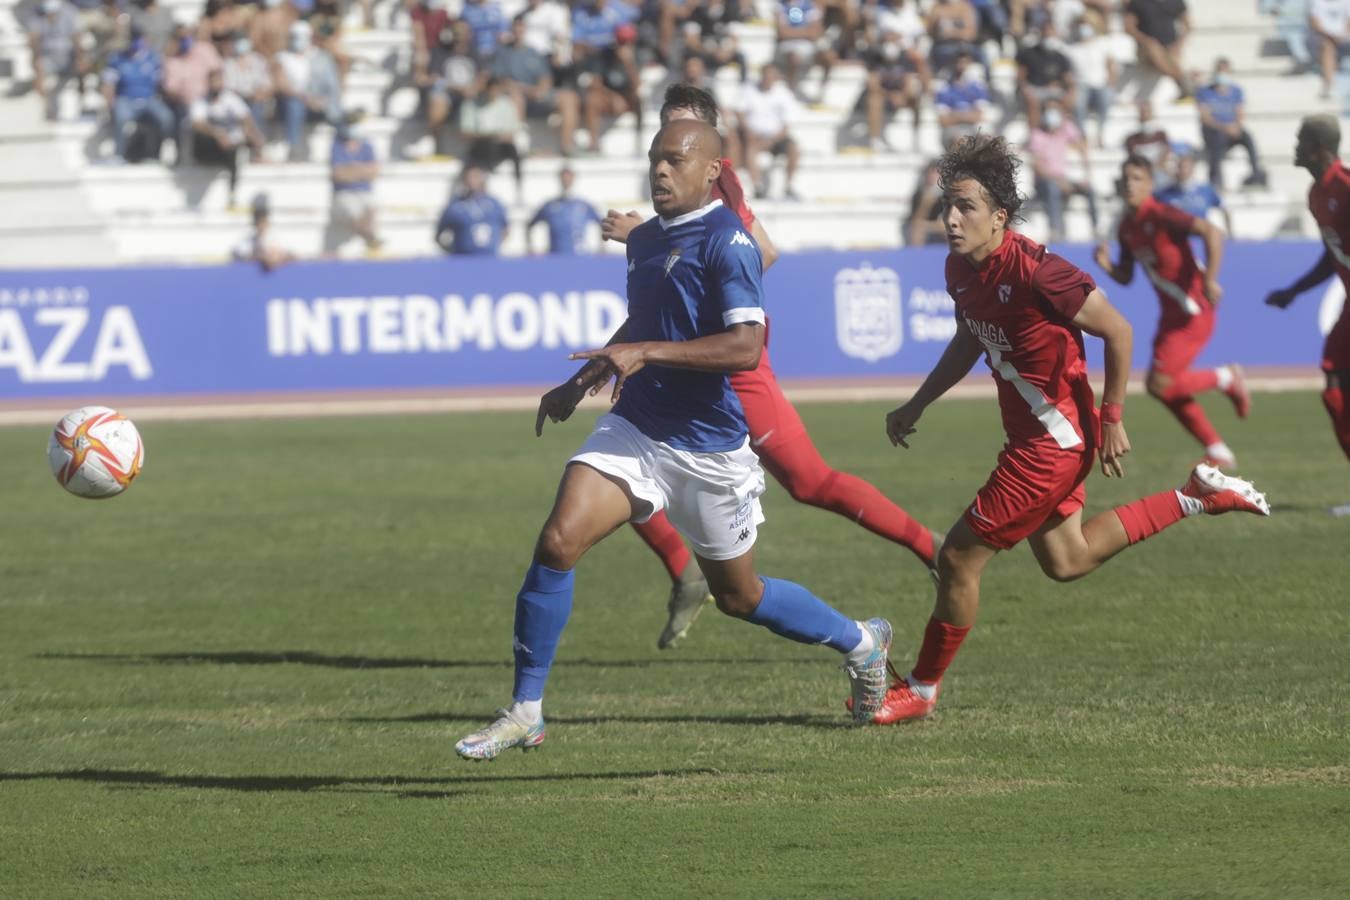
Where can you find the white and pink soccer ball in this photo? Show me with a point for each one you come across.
(95, 452)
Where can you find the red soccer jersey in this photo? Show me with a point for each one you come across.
(1020, 305)
(1329, 200)
(728, 189)
(1158, 237)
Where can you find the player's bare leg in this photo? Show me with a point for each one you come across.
(791, 611)
(588, 506)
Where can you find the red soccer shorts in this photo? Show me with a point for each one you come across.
(1032, 483)
(768, 414)
(1336, 351)
(1177, 344)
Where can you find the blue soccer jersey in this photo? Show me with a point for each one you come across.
(689, 277)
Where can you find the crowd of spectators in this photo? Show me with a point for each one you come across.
(497, 80)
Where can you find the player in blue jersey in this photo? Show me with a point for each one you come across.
(676, 440)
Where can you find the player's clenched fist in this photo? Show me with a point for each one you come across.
(1115, 444)
(900, 424)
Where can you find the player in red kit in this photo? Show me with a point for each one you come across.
(776, 431)
(1025, 310)
(1157, 237)
(1318, 149)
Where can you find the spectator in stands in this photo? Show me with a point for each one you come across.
(1095, 72)
(1221, 105)
(1049, 146)
(1159, 29)
(992, 16)
(603, 33)
(1044, 73)
(185, 77)
(1151, 142)
(900, 18)
(222, 19)
(1196, 197)
(222, 125)
(486, 22)
(450, 86)
(108, 31)
(567, 218)
(307, 87)
(695, 72)
(924, 223)
(1329, 23)
(153, 22)
(671, 17)
(474, 223)
(897, 79)
(353, 169)
(131, 92)
(326, 21)
(767, 110)
(800, 29)
(490, 124)
(246, 74)
(1291, 19)
(953, 27)
(548, 31)
(58, 60)
(529, 78)
(270, 29)
(259, 246)
(963, 102)
(706, 39)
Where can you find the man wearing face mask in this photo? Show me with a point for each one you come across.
(1043, 73)
(1049, 146)
(961, 104)
(894, 82)
(246, 74)
(307, 86)
(185, 77)
(1095, 74)
(131, 94)
(1221, 125)
(221, 125)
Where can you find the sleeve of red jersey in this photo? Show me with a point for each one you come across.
(1063, 285)
(733, 195)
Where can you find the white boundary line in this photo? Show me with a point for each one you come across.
(321, 406)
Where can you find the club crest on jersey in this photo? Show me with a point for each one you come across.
(1004, 293)
(671, 260)
(867, 315)
(741, 238)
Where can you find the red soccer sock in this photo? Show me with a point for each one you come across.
(1334, 400)
(1147, 516)
(662, 537)
(1192, 417)
(940, 643)
(797, 466)
(1189, 383)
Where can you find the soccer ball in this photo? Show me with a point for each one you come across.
(95, 452)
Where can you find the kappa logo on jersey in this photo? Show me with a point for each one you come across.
(1004, 293)
(991, 335)
(671, 260)
(740, 238)
(867, 314)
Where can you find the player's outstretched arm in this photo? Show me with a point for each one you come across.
(735, 350)
(558, 404)
(1120, 272)
(1100, 319)
(1325, 268)
(956, 362)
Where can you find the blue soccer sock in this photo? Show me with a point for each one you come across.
(790, 610)
(542, 608)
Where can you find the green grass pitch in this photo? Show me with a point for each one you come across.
(244, 678)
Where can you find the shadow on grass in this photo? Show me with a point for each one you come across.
(308, 658)
(799, 721)
(343, 783)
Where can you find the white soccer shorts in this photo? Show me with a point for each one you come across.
(712, 499)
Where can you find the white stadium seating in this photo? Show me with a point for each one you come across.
(65, 205)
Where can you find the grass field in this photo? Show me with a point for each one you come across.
(244, 678)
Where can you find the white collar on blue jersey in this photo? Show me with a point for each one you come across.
(690, 216)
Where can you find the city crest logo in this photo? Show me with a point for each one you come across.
(868, 321)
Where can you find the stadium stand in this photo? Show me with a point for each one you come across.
(69, 202)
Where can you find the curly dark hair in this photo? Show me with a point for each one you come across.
(991, 163)
(686, 96)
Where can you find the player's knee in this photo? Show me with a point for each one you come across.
(1063, 569)
(738, 604)
(955, 570)
(555, 548)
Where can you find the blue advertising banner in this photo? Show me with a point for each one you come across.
(460, 322)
